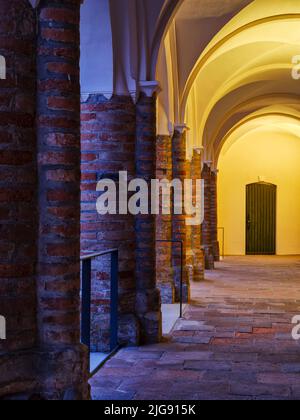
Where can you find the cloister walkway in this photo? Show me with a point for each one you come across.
(234, 343)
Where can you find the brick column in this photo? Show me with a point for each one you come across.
(148, 297)
(198, 262)
(18, 207)
(188, 233)
(164, 270)
(108, 146)
(178, 223)
(206, 226)
(58, 128)
(214, 216)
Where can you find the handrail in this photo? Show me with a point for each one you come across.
(87, 292)
(181, 270)
(97, 254)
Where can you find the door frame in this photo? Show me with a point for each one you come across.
(276, 212)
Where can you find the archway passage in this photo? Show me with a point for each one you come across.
(163, 88)
(227, 73)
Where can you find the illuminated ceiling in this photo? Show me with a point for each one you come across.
(244, 68)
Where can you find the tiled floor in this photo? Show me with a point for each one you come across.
(235, 341)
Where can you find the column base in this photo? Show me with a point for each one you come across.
(45, 374)
(198, 273)
(129, 330)
(186, 284)
(151, 323)
(209, 258)
(150, 317)
(216, 251)
(165, 284)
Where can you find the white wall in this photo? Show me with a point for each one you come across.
(96, 62)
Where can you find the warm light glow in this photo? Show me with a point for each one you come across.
(269, 151)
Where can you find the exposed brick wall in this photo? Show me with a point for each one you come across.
(199, 263)
(18, 175)
(179, 164)
(17, 195)
(58, 130)
(108, 146)
(40, 191)
(206, 226)
(148, 296)
(164, 270)
(214, 216)
(188, 231)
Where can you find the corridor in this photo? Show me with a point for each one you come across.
(234, 343)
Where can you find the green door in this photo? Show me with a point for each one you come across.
(261, 219)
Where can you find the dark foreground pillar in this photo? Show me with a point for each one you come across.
(64, 361)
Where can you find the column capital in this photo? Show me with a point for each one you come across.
(181, 128)
(208, 163)
(149, 88)
(198, 150)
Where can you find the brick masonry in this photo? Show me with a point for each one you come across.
(18, 205)
(148, 297)
(18, 176)
(58, 138)
(108, 146)
(164, 269)
(198, 254)
(42, 358)
(214, 215)
(179, 233)
(207, 226)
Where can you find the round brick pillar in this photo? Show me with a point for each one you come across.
(214, 216)
(206, 226)
(18, 207)
(148, 304)
(190, 255)
(164, 270)
(198, 253)
(179, 221)
(58, 130)
(108, 146)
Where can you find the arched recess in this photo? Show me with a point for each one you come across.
(264, 147)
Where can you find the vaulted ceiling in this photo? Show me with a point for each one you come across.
(224, 64)
(217, 61)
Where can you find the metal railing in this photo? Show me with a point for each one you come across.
(86, 291)
(223, 241)
(181, 270)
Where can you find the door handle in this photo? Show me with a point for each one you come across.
(248, 223)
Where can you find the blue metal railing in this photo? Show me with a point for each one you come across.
(86, 291)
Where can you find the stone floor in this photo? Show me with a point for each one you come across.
(235, 341)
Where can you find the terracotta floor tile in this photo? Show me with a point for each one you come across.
(234, 343)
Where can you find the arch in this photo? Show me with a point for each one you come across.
(264, 114)
(166, 17)
(243, 110)
(211, 50)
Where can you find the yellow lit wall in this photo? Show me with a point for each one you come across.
(275, 158)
